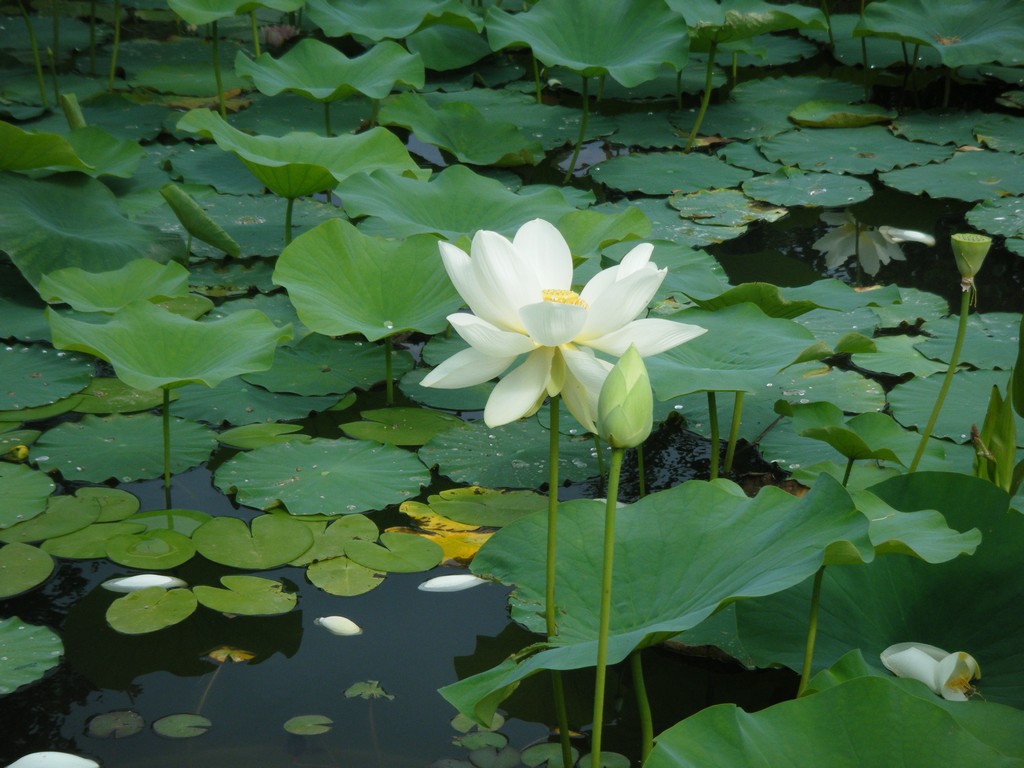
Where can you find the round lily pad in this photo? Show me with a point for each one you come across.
(247, 596)
(984, 175)
(184, 521)
(237, 401)
(181, 726)
(328, 477)
(22, 567)
(665, 173)
(308, 725)
(272, 540)
(153, 550)
(116, 725)
(850, 150)
(343, 576)
(401, 426)
(29, 652)
(39, 375)
(329, 540)
(89, 542)
(791, 186)
(397, 552)
(261, 435)
(63, 515)
(25, 492)
(122, 447)
(111, 395)
(150, 609)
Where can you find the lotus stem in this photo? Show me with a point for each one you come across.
(606, 604)
(53, 74)
(849, 469)
(216, 71)
(643, 704)
(734, 432)
(72, 111)
(288, 220)
(167, 445)
(713, 422)
(679, 89)
(255, 33)
(117, 44)
(536, 77)
(864, 59)
(550, 624)
(583, 131)
(828, 24)
(92, 37)
(812, 633)
(389, 397)
(374, 111)
(954, 358)
(640, 470)
(705, 97)
(55, 50)
(35, 54)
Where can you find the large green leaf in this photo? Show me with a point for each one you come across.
(271, 541)
(153, 550)
(89, 149)
(247, 596)
(321, 72)
(663, 173)
(48, 224)
(954, 605)
(25, 492)
(150, 609)
(198, 12)
(962, 31)
(875, 719)
(139, 280)
(36, 375)
(629, 40)
(331, 477)
(379, 19)
(680, 554)
(454, 203)
(22, 567)
(28, 652)
(342, 281)
(150, 347)
(980, 175)
(397, 552)
(860, 151)
(728, 20)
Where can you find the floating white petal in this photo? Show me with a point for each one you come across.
(339, 625)
(142, 581)
(947, 674)
(53, 760)
(454, 583)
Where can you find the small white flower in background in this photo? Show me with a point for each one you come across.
(454, 583)
(339, 625)
(521, 296)
(947, 674)
(874, 247)
(53, 760)
(142, 581)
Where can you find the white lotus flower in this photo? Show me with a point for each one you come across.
(142, 581)
(521, 296)
(339, 625)
(53, 760)
(873, 247)
(453, 583)
(947, 674)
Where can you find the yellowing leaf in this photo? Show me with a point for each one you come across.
(226, 653)
(427, 519)
(459, 547)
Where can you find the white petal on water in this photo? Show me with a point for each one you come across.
(53, 760)
(339, 625)
(454, 583)
(142, 581)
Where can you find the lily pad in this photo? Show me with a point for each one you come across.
(379, 19)
(329, 477)
(792, 186)
(26, 491)
(150, 609)
(343, 576)
(664, 173)
(111, 395)
(236, 401)
(401, 426)
(486, 506)
(723, 207)
(270, 541)
(468, 399)
(983, 175)
(308, 725)
(123, 447)
(261, 435)
(330, 537)
(22, 567)
(342, 281)
(849, 150)
(397, 552)
(991, 340)
(37, 375)
(832, 114)
(153, 550)
(198, 12)
(1004, 216)
(181, 726)
(32, 650)
(116, 725)
(247, 596)
(89, 542)
(63, 515)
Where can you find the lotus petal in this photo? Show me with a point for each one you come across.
(454, 583)
(339, 625)
(53, 760)
(142, 581)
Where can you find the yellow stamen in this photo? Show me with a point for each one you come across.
(564, 297)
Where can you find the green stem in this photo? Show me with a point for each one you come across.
(551, 626)
(374, 111)
(606, 604)
(679, 89)
(221, 105)
(849, 469)
(640, 470)
(864, 59)
(53, 74)
(583, 132)
(643, 705)
(390, 386)
(117, 45)
(35, 54)
(56, 35)
(536, 77)
(255, 33)
(713, 422)
(812, 632)
(705, 97)
(167, 444)
(92, 37)
(828, 23)
(734, 432)
(288, 220)
(954, 358)
(327, 119)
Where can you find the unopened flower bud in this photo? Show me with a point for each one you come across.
(625, 408)
(970, 250)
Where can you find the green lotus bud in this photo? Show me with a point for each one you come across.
(970, 250)
(625, 408)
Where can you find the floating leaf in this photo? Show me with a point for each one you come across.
(89, 542)
(155, 549)
(329, 540)
(29, 650)
(36, 375)
(476, 506)
(22, 567)
(270, 541)
(63, 515)
(833, 114)
(371, 689)
(342, 281)
(226, 653)
(849, 150)
(305, 477)
(969, 176)
(308, 725)
(397, 552)
(26, 491)
(247, 596)
(181, 726)
(343, 577)
(665, 173)
(401, 426)
(791, 186)
(116, 725)
(150, 609)
(111, 395)
(260, 435)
